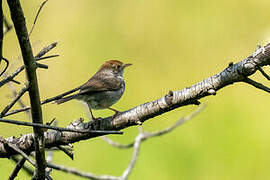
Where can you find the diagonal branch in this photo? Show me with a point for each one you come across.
(256, 84)
(37, 58)
(264, 73)
(43, 102)
(8, 26)
(19, 166)
(232, 74)
(39, 10)
(148, 135)
(7, 64)
(17, 97)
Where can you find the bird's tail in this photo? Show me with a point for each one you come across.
(65, 99)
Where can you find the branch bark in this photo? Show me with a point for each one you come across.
(18, 19)
(233, 73)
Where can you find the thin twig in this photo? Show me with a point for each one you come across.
(264, 73)
(46, 57)
(46, 49)
(57, 128)
(44, 66)
(256, 84)
(124, 176)
(14, 81)
(135, 154)
(66, 151)
(80, 173)
(17, 97)
(7, 64)
(117, 144)
(37, 58)
(20, 102)
(8, 26)
(20, 164)
(11, 76)
(154, 134)
(44, 102)
(136, 148)
(39, 10)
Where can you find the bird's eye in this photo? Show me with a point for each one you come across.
(118, 66)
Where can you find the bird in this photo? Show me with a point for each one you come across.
(103, 89)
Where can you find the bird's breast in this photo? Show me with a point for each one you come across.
(105, 99)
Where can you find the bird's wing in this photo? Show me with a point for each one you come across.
(96, 84)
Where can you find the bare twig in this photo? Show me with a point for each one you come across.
(10, 77)
(264, 73)
(46, 57)
(14, 93)
(43, 66)
(20, 164)
(44, 102)
(39, 10)
(80, 173)
(17, 97)
(58, 128)
(8, 26)
(135, 154)
(257, 85)
(136, 147)
(45, 50)
(154, 134)
(117, 144)
(66, 151)
(14, 81)
(37, 58)
(7, 64)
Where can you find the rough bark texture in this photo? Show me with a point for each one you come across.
(190, 95)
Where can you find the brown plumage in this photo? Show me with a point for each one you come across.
(104, 88)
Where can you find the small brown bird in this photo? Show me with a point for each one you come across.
(103, 89)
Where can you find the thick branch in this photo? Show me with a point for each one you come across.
(30, 66)
(234, 73)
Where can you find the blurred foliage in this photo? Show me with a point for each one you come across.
(172, 44)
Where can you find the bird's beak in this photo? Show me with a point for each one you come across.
(126, 65)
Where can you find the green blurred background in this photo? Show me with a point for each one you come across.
(172, 44)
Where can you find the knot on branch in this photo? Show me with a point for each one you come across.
(169, 97)
(212, 92)
(77, 124)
